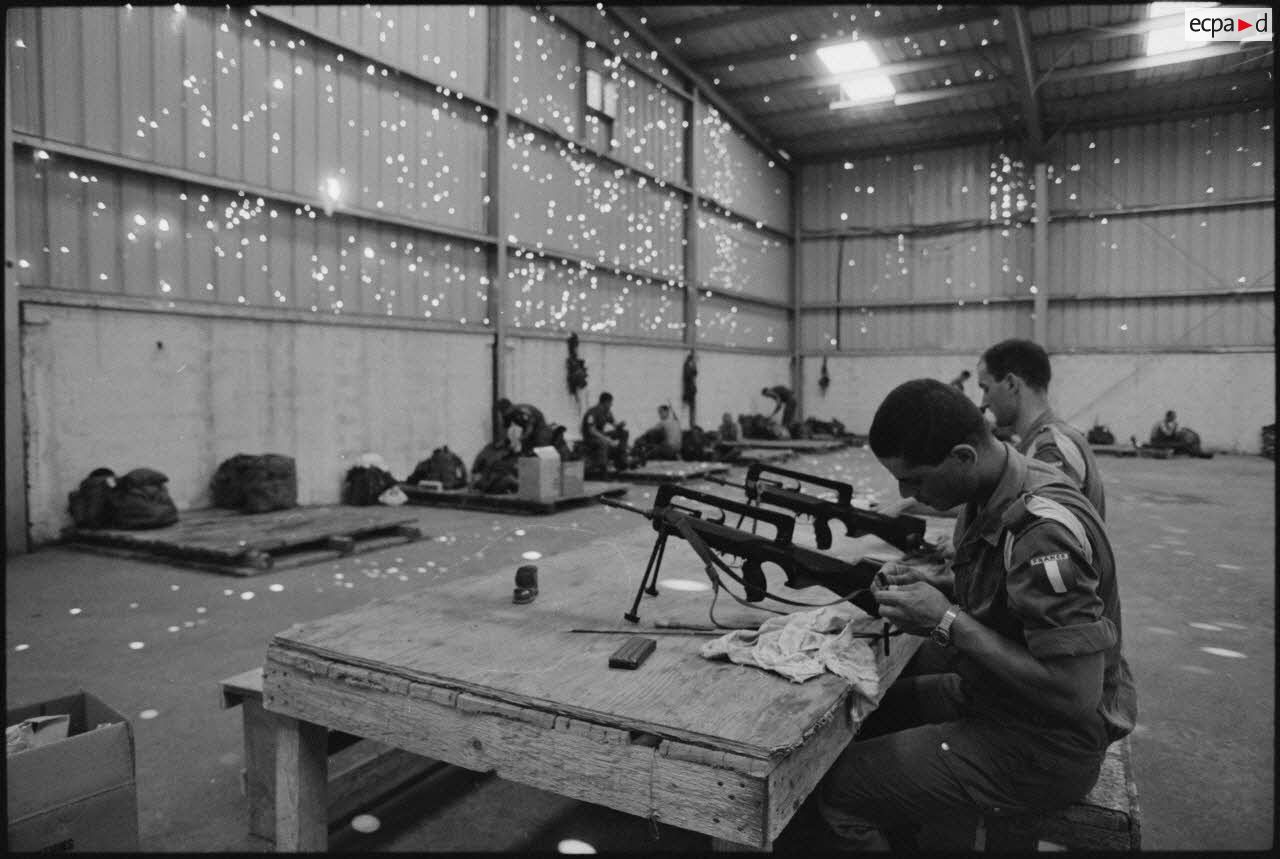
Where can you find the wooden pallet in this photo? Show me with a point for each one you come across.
(760, 454)
(239, 544)
(668, 471)
(510, 503)
(799, 445)
(1130, 450)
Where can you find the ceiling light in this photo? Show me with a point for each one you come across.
(1167, 36)
(857, 57)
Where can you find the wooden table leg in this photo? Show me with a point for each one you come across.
(302, 774)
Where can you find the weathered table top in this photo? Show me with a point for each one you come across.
(468, 635)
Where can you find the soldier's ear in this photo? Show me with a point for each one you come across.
(965, 454)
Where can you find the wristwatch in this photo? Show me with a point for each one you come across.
(941, 633)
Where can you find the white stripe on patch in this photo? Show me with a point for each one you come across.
(1055, 577)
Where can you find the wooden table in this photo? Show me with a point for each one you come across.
(458, 673)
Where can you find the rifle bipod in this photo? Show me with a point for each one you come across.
(655, 562)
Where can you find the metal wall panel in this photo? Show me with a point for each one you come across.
(733, 172)
(124, 233)
(734, 256)
(547, 294)
(445, 44)
(1165, 325)
(209, 91)
(572, 201)
(1220, 157)
(918, 188)
(599, 26)
(966, 329)
(723, 322)
(1176, 252)
(545, 61)
(964, 266)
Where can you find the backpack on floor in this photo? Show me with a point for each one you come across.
(364, 483)
(496, 470)
(256, 484)
(91, 504)
(443, 466)
(695, 445)
(140, 500)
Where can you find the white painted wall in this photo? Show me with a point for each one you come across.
(180, 394)
(1226, 397)
(640, 379)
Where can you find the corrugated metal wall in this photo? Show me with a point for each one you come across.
(1161, 237)
(313, 184)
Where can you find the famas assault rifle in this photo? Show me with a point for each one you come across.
(803, 567)
(903, 532)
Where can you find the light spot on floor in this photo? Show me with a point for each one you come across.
(1160, 630)
(685, 585)
(1183, 552)
(227, 592)
(148, 714)
(531, 556)
(189, 624)
(1228, 625)
(573, 845)
(75, 611)
(1207, 626)
(174, 628)
(519, 532)
(247, 595)
(173, 587)
(133, 605)
(1220, 651)
(201, 610)
(276, 588)
(1228, 567)
(22, 647)
(1196, 669)
(136, 645)
(365, 823)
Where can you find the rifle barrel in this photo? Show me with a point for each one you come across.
(714, 478)
(622, 505)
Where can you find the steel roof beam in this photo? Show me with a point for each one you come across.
(938, 21)
(1024, 75)
(746, 15)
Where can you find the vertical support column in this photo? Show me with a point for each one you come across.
(498, 215)
(15, 466)
(691, 154)
(797, 365)
(1040, 258)
(302, 776)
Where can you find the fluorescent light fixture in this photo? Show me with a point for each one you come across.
(1169, 37)
(857, 58)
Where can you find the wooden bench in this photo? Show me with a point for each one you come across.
(361, 771)
(1107, 819)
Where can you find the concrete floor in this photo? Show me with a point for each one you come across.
(1195, 540)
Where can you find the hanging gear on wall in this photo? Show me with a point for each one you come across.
(689, 389)
(577, 368)
(824, 381)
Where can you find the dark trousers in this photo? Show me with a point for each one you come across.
(923, 755)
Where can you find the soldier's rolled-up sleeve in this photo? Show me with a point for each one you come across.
(1053, 589)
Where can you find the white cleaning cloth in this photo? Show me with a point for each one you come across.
(804, 644)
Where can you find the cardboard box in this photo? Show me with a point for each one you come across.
(540, 475)
(78, 793)
(573, 479)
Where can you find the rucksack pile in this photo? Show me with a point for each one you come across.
(364, 484)
(696, 445)
(443, 466)
(136, 501)
(256, 484)
(1100, 434)
(496, 469)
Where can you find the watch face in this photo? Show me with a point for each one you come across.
(941, 637)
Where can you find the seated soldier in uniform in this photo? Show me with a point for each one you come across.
(1167, 434)
(662, 440)
(604, 441)
(1034, 685)
(1014, 378)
